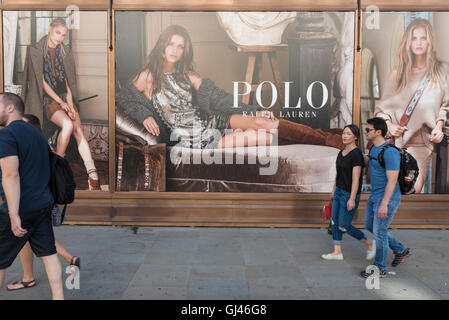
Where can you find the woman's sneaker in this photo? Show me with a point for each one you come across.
(337, 257)
(399, 257)
(370, 254)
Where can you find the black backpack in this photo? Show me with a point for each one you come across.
(408, 172)
(62, 183)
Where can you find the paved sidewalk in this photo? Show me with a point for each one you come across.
(236, 263)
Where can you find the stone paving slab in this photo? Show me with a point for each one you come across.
(170, 257)
(213, 282)
(219, 254)
(267, 252)
(163, 276)
(276, 281)
(217, 289)
(405, 288)
(342, 293)
(236, 263)
(155, 293)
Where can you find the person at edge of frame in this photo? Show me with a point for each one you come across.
(26, 254)
(25, 214)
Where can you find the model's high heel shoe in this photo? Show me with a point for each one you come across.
(94, 184)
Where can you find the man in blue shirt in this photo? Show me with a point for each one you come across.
(25, 214)
(385, 196)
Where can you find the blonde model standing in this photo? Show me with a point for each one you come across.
(417, 59)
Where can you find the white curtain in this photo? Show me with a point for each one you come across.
(10, 19)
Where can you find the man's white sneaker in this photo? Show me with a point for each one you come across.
(338, 257)
(370, 254)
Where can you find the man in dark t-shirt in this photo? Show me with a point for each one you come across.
(25, 214)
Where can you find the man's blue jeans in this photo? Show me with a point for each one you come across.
(342, 218)
(379, 227)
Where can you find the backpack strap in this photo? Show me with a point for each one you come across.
(382, 151)
(380, 156)
(369, 153)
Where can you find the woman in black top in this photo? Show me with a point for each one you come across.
(346, 194)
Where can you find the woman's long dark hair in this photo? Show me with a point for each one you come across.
(355, 131)
(156, 59)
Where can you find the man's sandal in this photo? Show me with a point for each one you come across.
(25, 284)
